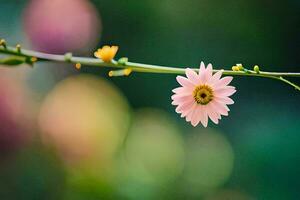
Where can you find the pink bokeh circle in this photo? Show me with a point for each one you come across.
(58, 26)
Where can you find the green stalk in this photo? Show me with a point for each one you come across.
(136, 67)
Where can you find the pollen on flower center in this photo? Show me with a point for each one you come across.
(203, 94)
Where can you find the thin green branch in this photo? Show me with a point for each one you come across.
(134, 67)
(290, 83)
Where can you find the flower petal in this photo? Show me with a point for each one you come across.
(184, 106)
(184, 81)
(204, 118)
(223, 81)
(192, 76)
(225, 91)
(220, 108)
(209, 72)
(180, 99)
(197, 116)
(189, 113)
(224, 100)
(216, 77)
(195, 119)
(182, 91)
(212, 114)
(202, 68)
(202, 74)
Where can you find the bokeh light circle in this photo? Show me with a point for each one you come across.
(85, 119)
(154, 151)
(58, 26)
(209, 161)
(16, 111)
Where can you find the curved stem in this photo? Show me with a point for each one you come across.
(289, 82)
(138, 67)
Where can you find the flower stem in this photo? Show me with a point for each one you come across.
(137, 67)
(289, 82)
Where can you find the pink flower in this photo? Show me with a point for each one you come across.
(203, 95)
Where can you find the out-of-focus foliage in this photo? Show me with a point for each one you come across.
(74, 136)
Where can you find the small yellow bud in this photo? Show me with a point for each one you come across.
(18, 47)
(127, 71)
(235, 68)
(33, 59)
(3, 43)
(256, 68)
(78, 66)
(240, 67)
(123, 61)
(121, 72)
(106, 53)
(110, 73)
(68, 56)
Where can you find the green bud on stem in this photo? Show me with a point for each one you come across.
(256, 69)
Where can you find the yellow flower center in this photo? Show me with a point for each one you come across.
(203, 94)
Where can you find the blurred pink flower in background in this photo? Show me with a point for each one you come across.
(58, 26)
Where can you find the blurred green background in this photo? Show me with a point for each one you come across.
(73, 135)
